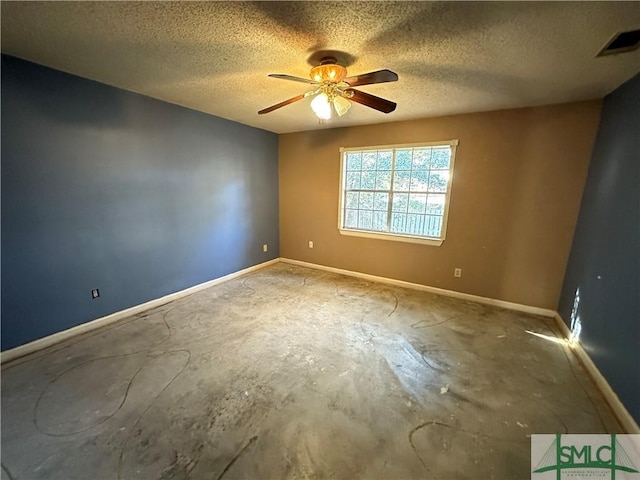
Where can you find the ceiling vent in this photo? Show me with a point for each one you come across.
(621, 42)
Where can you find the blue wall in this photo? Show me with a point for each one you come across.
(103, 188)
(605, 256)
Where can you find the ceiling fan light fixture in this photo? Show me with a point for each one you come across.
(333, 91)
(321, 106)
(328, 73)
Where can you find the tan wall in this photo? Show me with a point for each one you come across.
(517, 185)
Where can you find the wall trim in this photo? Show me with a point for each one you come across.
(617, 407)
(425, 288)
(41, 343)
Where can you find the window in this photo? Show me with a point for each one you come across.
(397, 192)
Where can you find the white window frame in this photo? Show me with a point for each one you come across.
(434, 241)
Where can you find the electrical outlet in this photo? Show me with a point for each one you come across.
(457, 272)
(310, 244)
(265, 247)
(95, 293)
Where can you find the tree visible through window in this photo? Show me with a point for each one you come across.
(399, 191)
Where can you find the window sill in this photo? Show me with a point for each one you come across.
(434, 242)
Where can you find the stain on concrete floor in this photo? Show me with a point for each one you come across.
(296, 373)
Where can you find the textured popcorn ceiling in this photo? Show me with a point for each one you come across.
(215, 56)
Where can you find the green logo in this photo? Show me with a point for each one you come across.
(605, 453)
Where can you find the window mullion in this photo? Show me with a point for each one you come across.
(389, 207)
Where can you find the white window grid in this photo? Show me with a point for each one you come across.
(406, 193)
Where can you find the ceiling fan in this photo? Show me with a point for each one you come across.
(333, 90)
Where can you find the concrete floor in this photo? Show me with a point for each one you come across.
(295, 373)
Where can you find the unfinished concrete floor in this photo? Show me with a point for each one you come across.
(296, 373)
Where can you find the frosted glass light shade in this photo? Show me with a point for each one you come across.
(321, 106)
(342, 105)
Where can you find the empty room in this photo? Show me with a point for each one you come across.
(323, 240)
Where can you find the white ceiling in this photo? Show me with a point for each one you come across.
(451, 57)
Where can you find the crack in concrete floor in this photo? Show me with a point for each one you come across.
(296, 373)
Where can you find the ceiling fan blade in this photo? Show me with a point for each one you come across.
(380, 76)
(371, 101)
(281, 104)
(284, 76)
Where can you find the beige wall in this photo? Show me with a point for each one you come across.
(517, 185)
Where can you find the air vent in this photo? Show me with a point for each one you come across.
(621, 42)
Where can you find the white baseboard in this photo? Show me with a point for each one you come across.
(31, 347)
(618, 408)
(425, 288)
